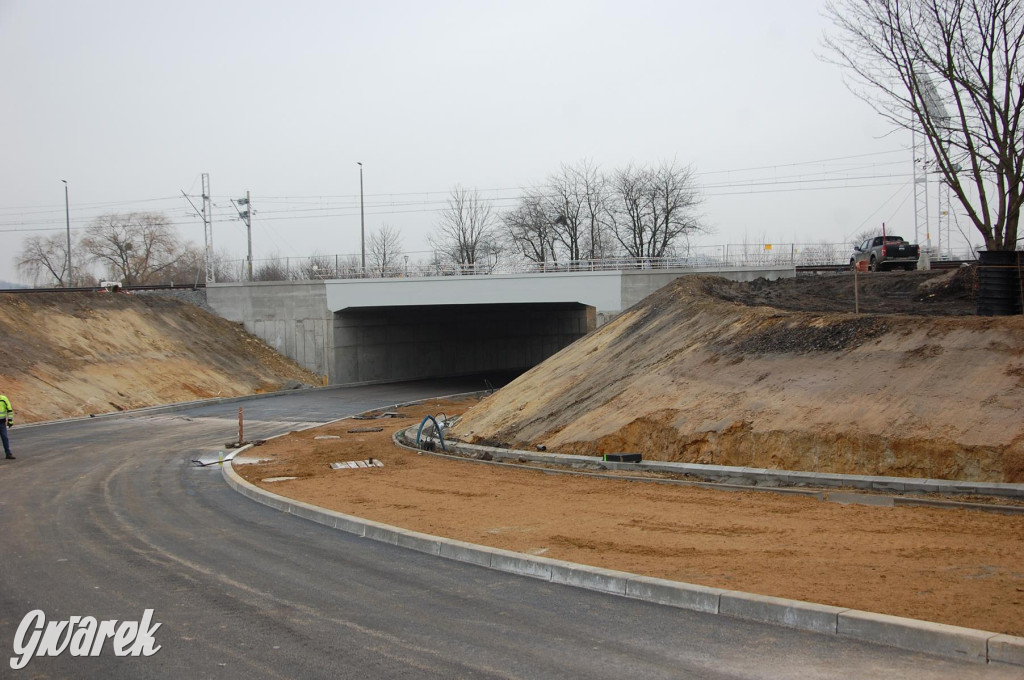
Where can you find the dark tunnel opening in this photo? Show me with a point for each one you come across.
(384, 344)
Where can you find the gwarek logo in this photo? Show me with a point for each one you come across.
(82, 636)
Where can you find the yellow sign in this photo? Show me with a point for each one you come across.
(767, 246)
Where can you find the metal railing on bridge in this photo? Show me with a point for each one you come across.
(695, 258)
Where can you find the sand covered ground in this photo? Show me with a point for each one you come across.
(953, 566)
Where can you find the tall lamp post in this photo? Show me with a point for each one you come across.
(362, 219)
(67, 217)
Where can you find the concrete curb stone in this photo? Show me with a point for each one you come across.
(675, 593)
(818, 618)
(911, 634)
(919, 636)
(1006, 649)
(744, 476)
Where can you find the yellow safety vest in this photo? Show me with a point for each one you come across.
(5, 409)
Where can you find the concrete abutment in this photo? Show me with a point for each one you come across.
(383, 330)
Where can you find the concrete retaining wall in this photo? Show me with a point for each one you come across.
(290, 316)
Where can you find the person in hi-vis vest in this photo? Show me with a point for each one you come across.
(6, 421)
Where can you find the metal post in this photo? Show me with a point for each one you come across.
(211, 274)
(362, 220)
(241, 437)
(67, 215)
(248, 227)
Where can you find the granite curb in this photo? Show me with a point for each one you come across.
(910, 634)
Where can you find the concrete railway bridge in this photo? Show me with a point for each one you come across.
(394, 329)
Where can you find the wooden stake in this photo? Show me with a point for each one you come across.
(856, 293)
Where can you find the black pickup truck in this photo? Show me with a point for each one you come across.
(888, 252)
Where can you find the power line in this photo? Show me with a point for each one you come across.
(46, 218)
(790, 165)
(223, 216)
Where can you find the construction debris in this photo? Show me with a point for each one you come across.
(375, 416)
(351, 464)
(357, 430)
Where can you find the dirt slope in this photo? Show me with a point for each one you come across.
(698, 372)
(73, 354)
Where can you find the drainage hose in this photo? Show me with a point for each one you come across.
(440, 434)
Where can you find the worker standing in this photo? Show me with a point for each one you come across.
(6, 421)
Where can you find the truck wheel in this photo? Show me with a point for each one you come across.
(853, 264)
(874, 264)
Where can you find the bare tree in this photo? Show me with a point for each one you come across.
(386, 251)
(226, 270)
(273, 268)
(863, 235)
(568, 202)
(188, 269)
(349, 267)
(135, 248)
(45, 259)
(530, 228)
(562, 218)
(593, 186)
(317, 266)
(578, 196)
(651, 209)
(466, 234)
(950, 70)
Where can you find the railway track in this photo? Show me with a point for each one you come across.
(101, 289)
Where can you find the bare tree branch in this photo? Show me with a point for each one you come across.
(45, 259)
(950, 70)
(135, 248)
(651, 209)
(466, 234)
(386, 251)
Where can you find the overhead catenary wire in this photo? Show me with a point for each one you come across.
(47, 218)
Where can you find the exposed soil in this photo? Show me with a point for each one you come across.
(74, 354)
(953, 566)
(922, 293)
(701, 371)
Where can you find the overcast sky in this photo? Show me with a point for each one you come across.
(131, 102)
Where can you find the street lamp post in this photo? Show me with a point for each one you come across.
(362, 219)
(67, 217)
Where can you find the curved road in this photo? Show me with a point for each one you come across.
(106, 517)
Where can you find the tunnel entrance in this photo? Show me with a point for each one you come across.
(387, 344)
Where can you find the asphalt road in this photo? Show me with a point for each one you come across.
(106, 517)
